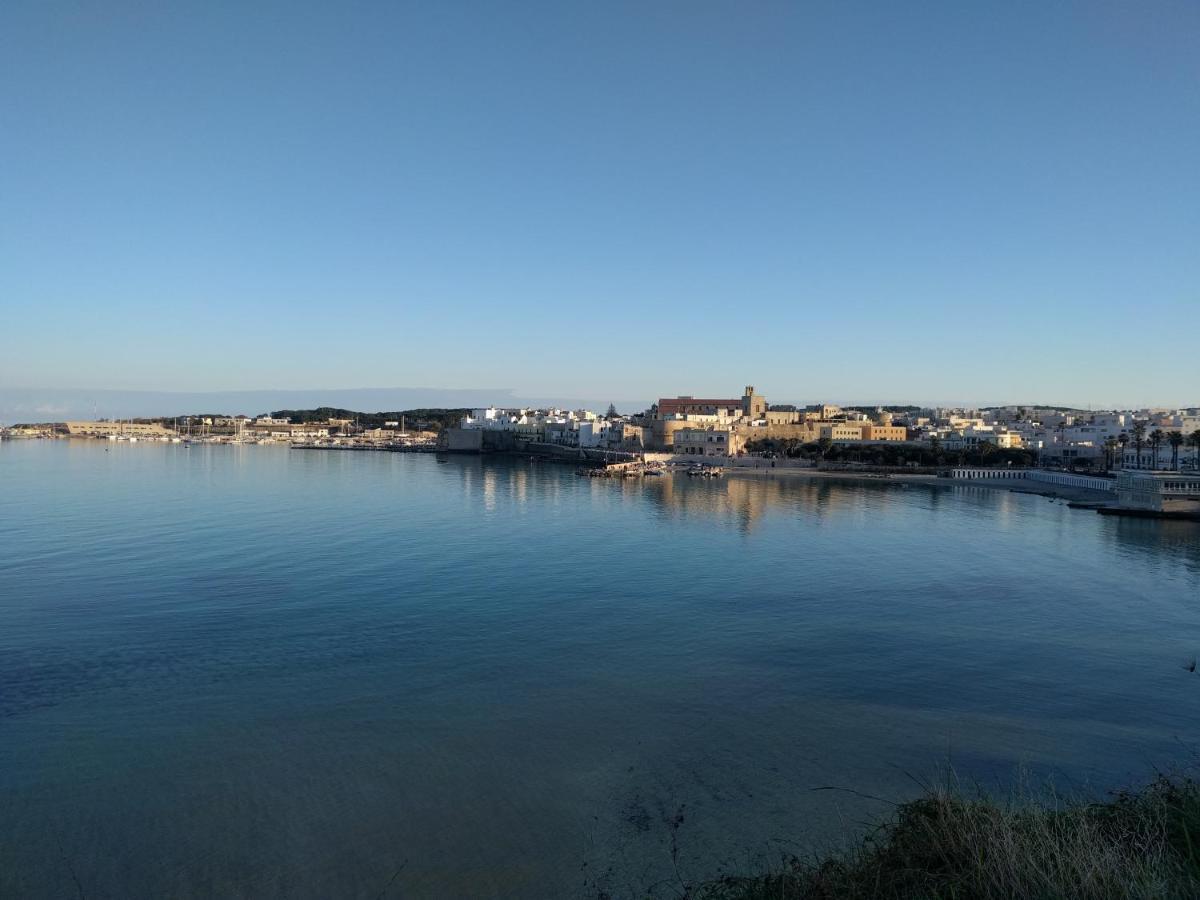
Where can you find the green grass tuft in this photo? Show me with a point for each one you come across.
(953, 845)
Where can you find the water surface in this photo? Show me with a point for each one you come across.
(248, 671)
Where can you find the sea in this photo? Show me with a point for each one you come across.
(249, 671)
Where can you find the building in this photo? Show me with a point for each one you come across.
(562, 433)
(804, 432)
(841, 431)
(884, 433)
(592, 432)
(1007, 440)
(132, 429)
(708, 442)
(628, 436)
(287, 430)
(669, 407)
(754, 406)
(1148, 458)
(781, 417)
(750, 405)
(530, 431)
(663, 431)
(1162, 492)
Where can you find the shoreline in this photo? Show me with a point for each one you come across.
(1087, 498)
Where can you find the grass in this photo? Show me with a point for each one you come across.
(954, 844)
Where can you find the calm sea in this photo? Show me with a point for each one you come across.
(254, 672)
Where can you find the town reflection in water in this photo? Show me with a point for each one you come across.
(745, 501)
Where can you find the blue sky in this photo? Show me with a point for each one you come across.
(845, 201)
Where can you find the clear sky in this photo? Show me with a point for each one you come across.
(844, 201)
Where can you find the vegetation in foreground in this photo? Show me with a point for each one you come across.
(949, 845)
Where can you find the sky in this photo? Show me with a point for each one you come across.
(842, 202)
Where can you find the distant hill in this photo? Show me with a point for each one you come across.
(61, 404)
(435, 419)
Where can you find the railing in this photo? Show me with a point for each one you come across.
(989, 473)
(1066, 479)
(1069, 479)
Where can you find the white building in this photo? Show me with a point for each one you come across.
(592, 433)
(1167, 492)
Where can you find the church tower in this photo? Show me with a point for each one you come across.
(754, 405)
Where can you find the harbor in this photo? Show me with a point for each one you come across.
(1139, 464)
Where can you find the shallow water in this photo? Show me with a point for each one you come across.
(248, 671)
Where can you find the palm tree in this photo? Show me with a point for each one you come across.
(1139, 440)
(1156, 439)
(1194, 440)
(1123, 440)
(1110, 448)
(1175, 439)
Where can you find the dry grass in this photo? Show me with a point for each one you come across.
(952, 844)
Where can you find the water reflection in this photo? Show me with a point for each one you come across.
(334, 659)
(1169, 543)
(747, 501)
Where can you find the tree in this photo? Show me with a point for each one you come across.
(1139, 440)
(612, 411)
(1175, 439)
(824, 445)
(1156, 439)
(1110, 451)
(1194, 440)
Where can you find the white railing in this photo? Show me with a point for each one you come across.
(989, 473)
(1066, 479)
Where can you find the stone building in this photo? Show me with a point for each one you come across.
(708, 442)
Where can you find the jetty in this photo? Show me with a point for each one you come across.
(626, 469)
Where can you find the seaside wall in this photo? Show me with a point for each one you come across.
(1066, 479)
(463, 440)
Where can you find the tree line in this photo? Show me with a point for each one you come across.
(1142, 438)
(984, 454)
(423, 419)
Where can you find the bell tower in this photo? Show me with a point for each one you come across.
(754, 405)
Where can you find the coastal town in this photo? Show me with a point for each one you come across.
(1143, 461)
